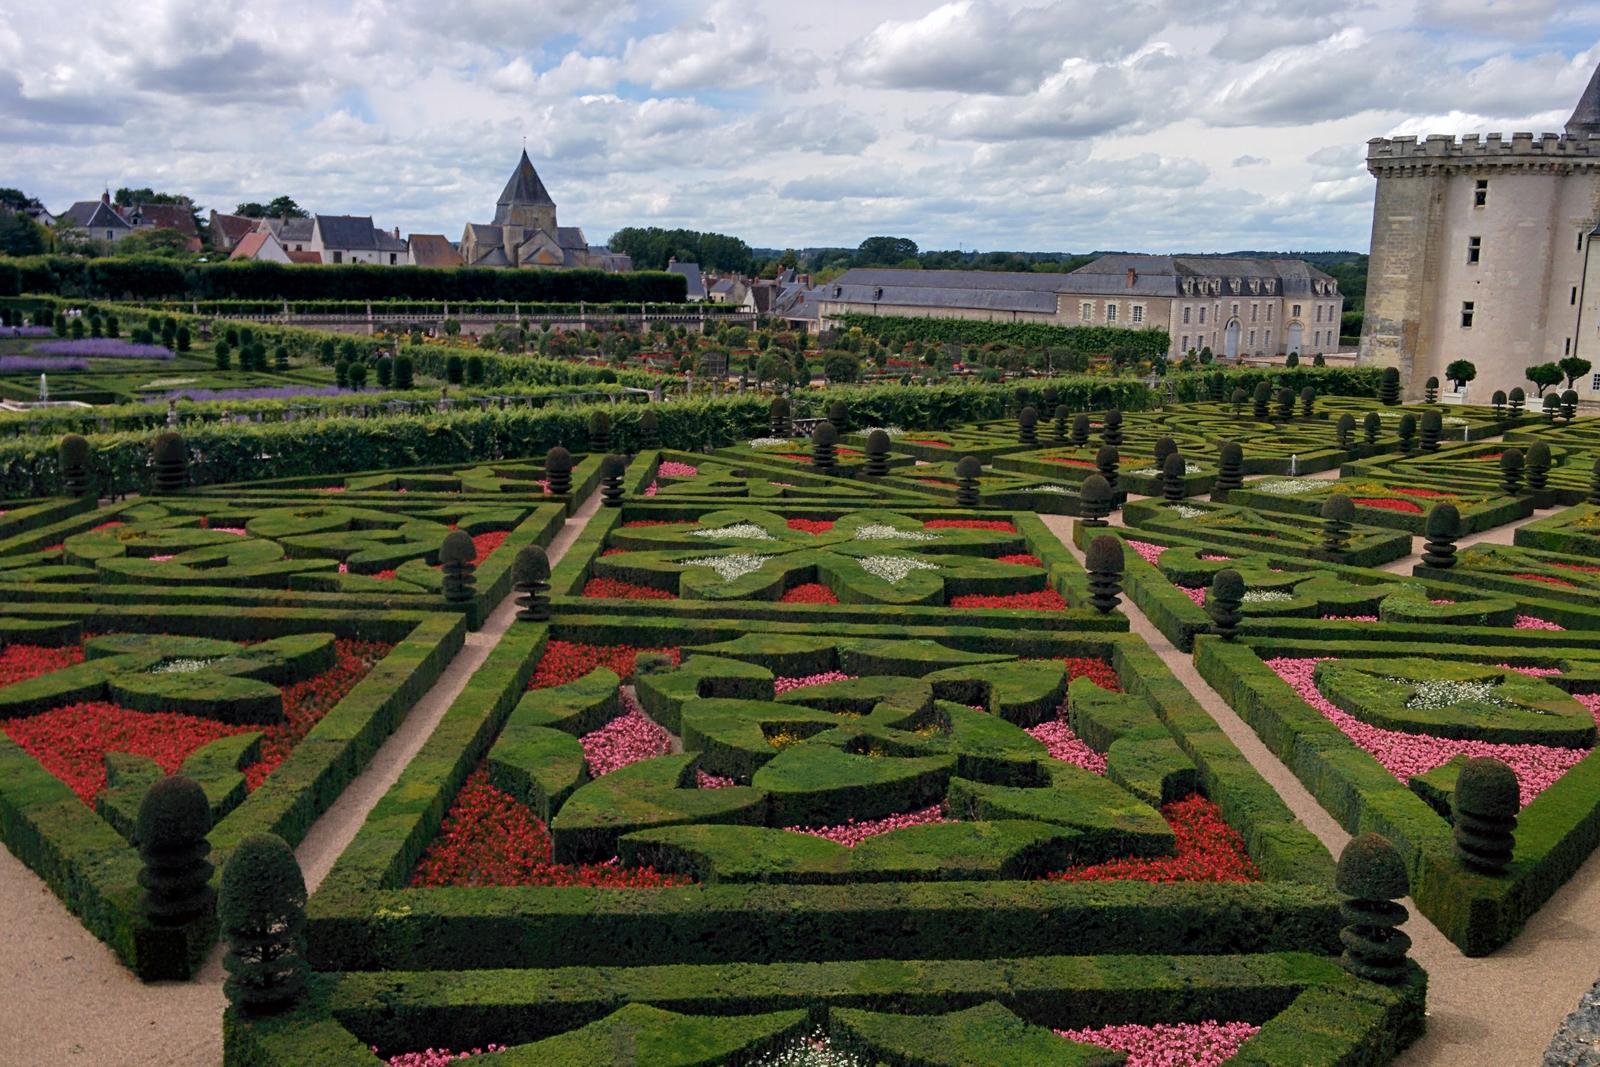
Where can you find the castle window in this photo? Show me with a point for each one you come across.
(1568, 352)
(1111, 313)
(1236, 311)
(1319, 312)
(1480, 193)
(1185, 345)
(1269, 312)
(1466, 314)
(1202, 316)
(1138, 313)
(1252, 338)
(1474, 249)
(1267, 340)
(1296, 311)
(1086, 311)
(1186, 313)
(1255, 312)
(1594, 383)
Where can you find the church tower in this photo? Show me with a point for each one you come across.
(1480, 251)
(524, 201)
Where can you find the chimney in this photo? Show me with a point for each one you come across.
(105, 197)
(397, 233)
(1132, 274)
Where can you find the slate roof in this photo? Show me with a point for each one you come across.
(1586, 116)
(167, 217)
(524, 186)
(432, 250)
(95, 215)
(571, 237)
(289, 231)
(347, 231)
(691, 273)
(388, 242)
(988, 290)
(228, 230)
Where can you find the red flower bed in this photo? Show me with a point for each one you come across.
(567, 661)
(1097, 671)
(809, 593)
(811, 526)
(490, 838)
(112, 525)
(1021, 559)
(386, 576)
(997, 525)
(1585, 568)
(1427, 493)
(18, 663)
(71, 741)
(1385, 504)
(1073, 463)
(1548, 579)
(930, 442)
(612, 588)
(1044, 600)
(938, 483)
(485, 543)
(663, 522)
(1209, 850)
(614, 552)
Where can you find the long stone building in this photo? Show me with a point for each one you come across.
(1235, 306)
(1483, 249)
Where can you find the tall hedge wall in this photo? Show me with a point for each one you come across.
(898, 329)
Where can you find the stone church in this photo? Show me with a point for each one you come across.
(524, 232)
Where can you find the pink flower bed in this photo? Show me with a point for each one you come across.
(1532, 672)
(1067, 746)
(626, 739)
(237, 531)
(1148, 552)
(1212, 557)
(852, 833)
(1351, 618)
(653, 488)
(702, 780)
(1406, 755)
(1206, 1044)
(669, 469)
(435, 1057)
(1529, 622)
(1194, 593)
(786, 684)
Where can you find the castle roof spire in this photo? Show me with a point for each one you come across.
(1585, 120)
(524, 188)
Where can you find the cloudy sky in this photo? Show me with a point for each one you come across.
(1158, 125)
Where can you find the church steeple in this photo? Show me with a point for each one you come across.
(524, 201)
(1585, 120)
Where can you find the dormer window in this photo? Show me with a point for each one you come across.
(877, 294)
(1255, 285)
(838, 291)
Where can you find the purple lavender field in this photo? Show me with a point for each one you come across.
(27, 364)
(102, 348)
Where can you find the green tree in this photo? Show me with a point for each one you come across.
(1460, 372)
(278, 207)
(20, 235)
(1574, 368)
(841, 367)
(1543, 375)
(885, 251)
(772, 367)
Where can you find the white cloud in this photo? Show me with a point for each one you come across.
(1250, 161)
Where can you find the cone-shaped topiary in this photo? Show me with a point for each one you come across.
(1498, 403)
(1230, 470)
(1111, 428)
(1173, 470)
(839, 415)
(1095, 500)
(1516, 399)
(1371, 426)
(1511, 471)
(1569, 405)
(1338, 513)
(558, 470)
(73, 453)
(169, 456)
(1261, 400)
(823, 440)
(1308, 402)
(1389, 387)
(1552, 407)
(1237, 400)
(1080, 431)
(1538, 468)
(1060, 436)
(1103, 561)
(1028, 425)
(1432, 430)
(778, 414)
(1443, 529)
(263, 911)
(1594, 484)
(1347, 430)
(174, 818)
(456, 565)
(1430, 391)
(649, 429)
(530, 573)
(1105, 462)
(1225, 603)
(599, 432)
(968, 468)
(1372, 877)
(1285, 404)
(612, 469)
(1484, 810)
(1406, 431)
(1165, 446)
(877, 454)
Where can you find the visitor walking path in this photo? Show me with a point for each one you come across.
(64, 997)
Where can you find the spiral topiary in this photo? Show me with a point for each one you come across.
(1538, 457)
(1430, 391)
(1105, 462)
(1165, 446)
(1060, 435)
(1372, 877)
(1511, 471)
(1552, 407)
(612, 469)
(1230, 470)
(1443, 529)
(530, 573)
(1103, 561)
(1515, 400)
(1261, 400)
(1285, 404)
(1080, 431)
(1569, 405)
(1483, 811)
(1237, 400)
(1389, 387)
(1371, 426)
(823, 440)
(968, 468)
(1406, 431)
(1111, 428)
(1498, 403)
(1347, 430)
(1028, 425)
(1338, 514)
(1225, 603)
(1173, 470)
(1308, 402)
(877, 454)
(262, 907)
(778, 416)
(73, 454)
(649, 429)
(174, 818)
(599, 432)
(1432, 430)
(1594, 484)
(558, 470)
(1095, 500)
(169, 456)
(456, 565)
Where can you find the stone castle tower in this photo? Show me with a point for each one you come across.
(1481, 251)
(524, 201)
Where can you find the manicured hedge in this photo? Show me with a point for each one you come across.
(898, 329)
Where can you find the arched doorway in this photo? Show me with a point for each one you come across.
(1230, 340)
(1294, 338)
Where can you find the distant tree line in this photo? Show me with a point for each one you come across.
(652, 247)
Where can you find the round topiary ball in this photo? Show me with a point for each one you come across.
(1228, 585)
(532, 564)
(1028, 416)
(74, 450)
(1511, 459)
(1538, 454)
(1231, 454)
(1444, 520)
(969, 467)
(1174, 467)
(1108, 456)
(877, 441)
(1487, 787)
(168, 447)
(457, 548)
(1339, 508)
(825, 434)
(1370, 868)
(1104, 555)
(1165, 446)
(174, 813)
(558, 459)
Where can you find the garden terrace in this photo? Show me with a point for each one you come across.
(1391, 504)
(1232, 527)
(693, 478)
(1475, 468)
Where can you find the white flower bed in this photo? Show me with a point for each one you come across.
(1052, 489)
(1265, 596)
(893, 568)
(882, 531)
(744, 531)
(729, 567)
(892, 431)
(1288, 486)
(771, 442)
(1186, 511)
(1435, 695)
(182, 666)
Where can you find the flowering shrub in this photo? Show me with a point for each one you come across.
(567, 661)
(488, 837)
(1195, 593)
(628, 738)
(893, 569)
(930, 442)
(1547, 579)
(614, 589)
(1064, 745)
(1209, 850)
(1043, 600)
(485, 543)
(997, 525)
(811, 526)
(1083, 463)
(809, 593)
(1207, 1044)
